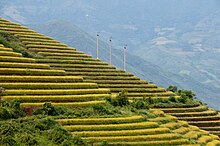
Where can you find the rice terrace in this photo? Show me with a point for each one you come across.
(52, 94)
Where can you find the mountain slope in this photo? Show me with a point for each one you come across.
(74, 36)
(60, 57)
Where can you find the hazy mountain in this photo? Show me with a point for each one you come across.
(171, 42)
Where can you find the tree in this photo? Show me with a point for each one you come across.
(182, 93)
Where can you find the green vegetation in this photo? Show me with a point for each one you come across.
(10, 110)
(11, 41)
(182, 93)
(17, 129)
(51, 98)
(35, 131)
(120, 100)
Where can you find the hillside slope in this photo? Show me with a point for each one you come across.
(60, 58)
(27, 81)
(138, 64)
(186, 30)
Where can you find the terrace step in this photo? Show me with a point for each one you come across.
(32, 36)
(53, 50)
(179, 141)
(86, 70)
(70, 61)
(149, 131)
(9, 25)
(201, 118)
(48, 47)
(57, 98)
(74, 58)
(22, 71)
(87, 66)
(23, 38)
(215, 132)
(126, 126)
(44, 43)
(156, 137)
(137, 90)
(195, 134)
(175, 125)
(182, 130)
(111, 78)
(10, 53)
(70, 104)
(184, 110)
(13, 29)
(215, 128)
(57, 92)
(123, 82)
(50, 79)
(141, 87)
(213, 143)
(204, 139)
(205, 123)
(24, 65)
(5, 49)
(162, 94)
(12, 85)
(99, 74)
(63, 54)
(93, 121)
(16, 59)
(208, 112)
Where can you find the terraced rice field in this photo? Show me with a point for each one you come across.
(34, 83)
(69, 77)
(138, 130)
(76, 63)
(201, 116)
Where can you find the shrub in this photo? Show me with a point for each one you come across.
(172, 99)
(149, 100)
(47, 109)
(35, 130)
(10, 109)
(105, 109)
(120, 100)
(172, 88)
(104, 143)
(140, 104)
(1, 91)
(11, 41)
(182, 93)
(78, 141)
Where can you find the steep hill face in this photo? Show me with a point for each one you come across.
(68, 61)
(142, 64)
(34, 83)
(189, 37)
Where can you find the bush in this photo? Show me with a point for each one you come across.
(172, 99)
(57, 135)
(78, 141)
(182, 93)
(1, 91)
(105, 109)
(10, 109)
(47, 109)
(120, 100)
(13, 42)
(140, 104)
(36, 130)
(149, 100)
(172, 88)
